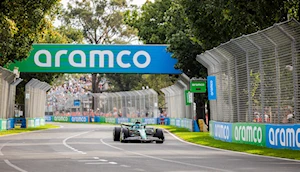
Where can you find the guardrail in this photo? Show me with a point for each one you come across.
(179, 122)
(276, 136)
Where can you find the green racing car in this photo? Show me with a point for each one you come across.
(137, 132)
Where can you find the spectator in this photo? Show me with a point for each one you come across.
(162, 118)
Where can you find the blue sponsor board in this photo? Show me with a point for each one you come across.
(211, 128)
(79, 119)
(150, 120)
(222, 131)
(172, 121)
(283, 136)
(122, 120)
(212, 87)
(37, 122)
(97, 118)
(177, 122)
(48, 118)
(77, 103)
(195, 126)
(110, 120)
(10, 123)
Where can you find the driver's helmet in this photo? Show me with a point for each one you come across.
(137, 124)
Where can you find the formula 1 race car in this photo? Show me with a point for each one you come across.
(137, 132)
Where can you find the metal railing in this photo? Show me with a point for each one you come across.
(257, 76)
(7, 93)
(35, 98)
(175, 99)
(131, 104)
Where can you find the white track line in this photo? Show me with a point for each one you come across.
(14, 166)
(28, 132)
(166, 160)
(2, 146)
(242, 153)
(90, 160)
(70, 147)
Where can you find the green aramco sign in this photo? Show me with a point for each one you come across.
(70, 58)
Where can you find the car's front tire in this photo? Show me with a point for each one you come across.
(116, 133)
(124, 135)
(160, 134)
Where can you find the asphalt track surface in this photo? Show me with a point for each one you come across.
(90, 148)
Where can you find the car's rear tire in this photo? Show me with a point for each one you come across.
(116, 133)
(160, 134)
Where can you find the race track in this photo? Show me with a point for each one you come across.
(90, 148)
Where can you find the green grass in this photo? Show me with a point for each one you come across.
(22, 130)
(202, 138)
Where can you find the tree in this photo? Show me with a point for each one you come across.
(156, 82)
(20, 22)
(123, 82)
(101, 22)
(214, 22)
(149, 21)
(165, 22)
(49, 34)
(191, 27)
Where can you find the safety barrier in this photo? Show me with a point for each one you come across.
(178, 122)
(33, 122)
(35, 100)
(254, 78)
(129, 104)
(276, 136)
(175, 99)
(10, 123)
(8, 82)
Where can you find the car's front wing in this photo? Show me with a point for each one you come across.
(138, 138)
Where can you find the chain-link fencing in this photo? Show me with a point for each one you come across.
(7, 92)
(175, 100)
(130, 104)
(35, 98)
(257, 76)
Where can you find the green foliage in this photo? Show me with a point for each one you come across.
(191, 27)
(123, 82)
(49, 34)
(101, 22)
(156, 82)
(255, 84)
(20, 22)
(214, 22)
(150, 23)
(165, 22)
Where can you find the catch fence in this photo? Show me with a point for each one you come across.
(35, 98)
(175, 100)
(130, 104)
(257, 76)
